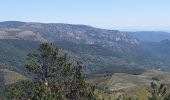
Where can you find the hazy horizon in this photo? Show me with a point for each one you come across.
(130, 15)
(120, 29)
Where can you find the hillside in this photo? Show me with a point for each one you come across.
(150, 36)
(162, 50)
(10, 77)
(13, 53)
(114, 61)
(99, 50)
(94, 46)
(122, 81)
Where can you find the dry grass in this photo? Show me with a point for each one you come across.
(11, 77)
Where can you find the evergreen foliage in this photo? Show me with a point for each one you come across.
(55, 78)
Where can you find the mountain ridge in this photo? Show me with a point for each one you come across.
(100, 50)
(150, 36)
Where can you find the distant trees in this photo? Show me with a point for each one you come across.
(2, 82)
(158, 91)
(55, 78)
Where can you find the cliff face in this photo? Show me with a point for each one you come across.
(100, 50)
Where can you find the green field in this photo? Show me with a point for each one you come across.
(133, 85)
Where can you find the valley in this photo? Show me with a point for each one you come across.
(113, 61)
(85, 50)
(100, 50)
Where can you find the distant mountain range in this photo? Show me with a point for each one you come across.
(99, 50)
(150, 36)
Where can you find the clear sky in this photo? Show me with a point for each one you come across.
(110, 14)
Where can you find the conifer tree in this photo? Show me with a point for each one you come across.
(54, 77)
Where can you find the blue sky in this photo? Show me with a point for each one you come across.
(111, 14)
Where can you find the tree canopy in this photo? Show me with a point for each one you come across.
(54, 77)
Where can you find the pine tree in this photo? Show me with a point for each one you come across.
(55, 78)
(79, 90)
